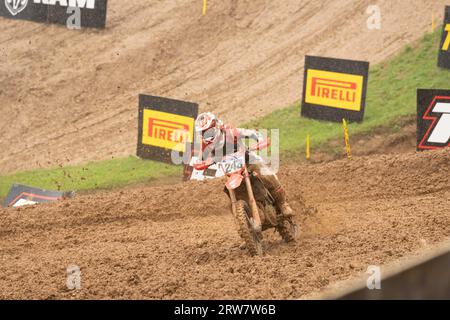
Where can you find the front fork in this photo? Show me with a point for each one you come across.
(252, 202)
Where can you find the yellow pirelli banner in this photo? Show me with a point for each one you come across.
(165, 125)
(334, 89)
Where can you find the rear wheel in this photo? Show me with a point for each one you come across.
(252, 239)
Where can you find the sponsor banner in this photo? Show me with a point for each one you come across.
(334, 89)
(444, 48)
(433, 119)
(92, 13)
(21, 195)
(165, 125)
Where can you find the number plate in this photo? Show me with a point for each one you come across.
(232, 163)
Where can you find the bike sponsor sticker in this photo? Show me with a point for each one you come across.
(433, 119)
(444, 47)
(164, 125)
(334, 89)
(92, 12)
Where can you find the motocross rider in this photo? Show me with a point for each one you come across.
(218, 140)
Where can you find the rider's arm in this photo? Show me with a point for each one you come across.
(252, 134)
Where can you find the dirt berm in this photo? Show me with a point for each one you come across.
(179, 241)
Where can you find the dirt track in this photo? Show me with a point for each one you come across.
(179, 241)
(68, 97)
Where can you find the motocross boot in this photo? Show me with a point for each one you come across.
(279, 196)
(272, 184)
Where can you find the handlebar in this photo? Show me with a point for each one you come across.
(203, 165)
(200, 166)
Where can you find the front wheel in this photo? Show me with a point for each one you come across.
(252, 238)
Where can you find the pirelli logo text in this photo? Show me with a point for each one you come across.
(167, 130)
(335, 90)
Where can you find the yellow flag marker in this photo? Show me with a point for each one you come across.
(204, 7)
(347, 139)
(308, 147)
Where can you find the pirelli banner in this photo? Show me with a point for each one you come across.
(72, 13)
(165, 125)
(444, 48)
(433, 119)
(334, 89)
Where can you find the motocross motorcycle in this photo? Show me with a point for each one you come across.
(252, 205)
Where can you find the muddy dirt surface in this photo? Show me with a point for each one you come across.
(179, 241)
(71, 96)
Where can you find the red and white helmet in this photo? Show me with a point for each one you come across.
(208, 125)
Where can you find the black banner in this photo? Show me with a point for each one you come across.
(91, 13)
(226, 309)
(334, 89)
(444, 49)
(433, 119)
(20, 195)
(165, 125)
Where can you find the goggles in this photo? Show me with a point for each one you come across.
(210, 134)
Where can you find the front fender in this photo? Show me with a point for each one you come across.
(234, 181)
